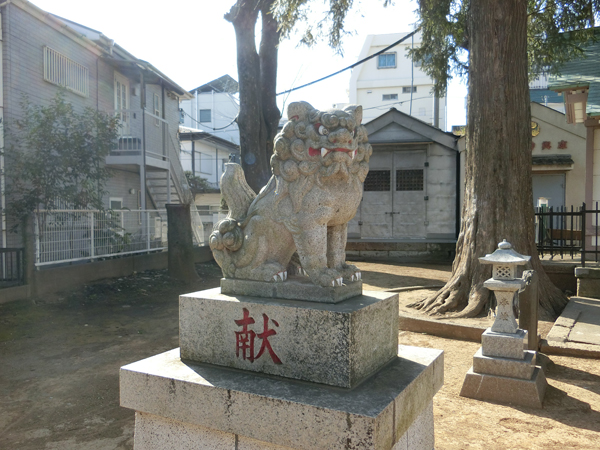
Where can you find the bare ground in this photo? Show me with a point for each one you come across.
(60, 355)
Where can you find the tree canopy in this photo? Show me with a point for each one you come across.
(57, 157)
(557, 30)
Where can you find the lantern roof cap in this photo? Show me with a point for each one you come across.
(505, 255)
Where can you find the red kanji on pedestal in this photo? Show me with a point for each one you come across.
(562, 144)
(244, 340)
(546, 145)
(265, 340)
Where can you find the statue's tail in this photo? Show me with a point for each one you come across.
(236, 191)
(227, 234)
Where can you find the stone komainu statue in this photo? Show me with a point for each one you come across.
(320, 161)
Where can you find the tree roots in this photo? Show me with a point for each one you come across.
(456, 299)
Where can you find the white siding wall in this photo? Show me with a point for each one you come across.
(369, 83)
(224, 108)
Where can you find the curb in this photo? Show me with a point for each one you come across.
(570, 349)
(440, 329)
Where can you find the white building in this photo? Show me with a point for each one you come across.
(214, 108)
(393, 80)
(205, 154)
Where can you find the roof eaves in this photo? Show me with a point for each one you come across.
(58, 25)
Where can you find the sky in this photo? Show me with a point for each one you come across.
(191, 42)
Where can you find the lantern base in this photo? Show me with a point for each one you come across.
(516, 391)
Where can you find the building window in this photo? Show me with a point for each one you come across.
(62, 71)
(205, 115)
(386, 61)
(409, 89)
(416, 63)
(409, 180)
(422, 112)
(377, 180)
(115, 203)
(181, 115)
(385, 97)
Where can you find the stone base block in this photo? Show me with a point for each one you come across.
(505, 367)
(294, 288)
(158, 433)
(504, 345)
(216, 407)
(337, 344)
(498, 389)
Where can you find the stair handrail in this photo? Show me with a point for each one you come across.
(184, 191)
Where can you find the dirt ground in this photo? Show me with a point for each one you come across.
(60, 356)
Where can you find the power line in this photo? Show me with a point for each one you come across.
(395, 103)
(355, 64)
(211, 128)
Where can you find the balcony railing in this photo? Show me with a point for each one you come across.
(141, 129)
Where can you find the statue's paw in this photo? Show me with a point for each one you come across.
(350, 273)
(280, 277)
(355, 276)
(326, 277)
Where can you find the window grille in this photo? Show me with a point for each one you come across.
(409, 180)
(378, 180)
(62, 71)
(389, 97)
(408, 89)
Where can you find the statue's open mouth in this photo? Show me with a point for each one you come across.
(325, 151)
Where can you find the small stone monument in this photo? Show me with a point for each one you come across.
(502, 370)
(289, 353)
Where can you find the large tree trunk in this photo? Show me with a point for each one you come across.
(498, 197)
(257, 73)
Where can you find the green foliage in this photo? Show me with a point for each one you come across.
(198, 185)
(556, 33)
(290, 13)
(57, 156)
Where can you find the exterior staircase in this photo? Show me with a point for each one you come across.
(165, 178)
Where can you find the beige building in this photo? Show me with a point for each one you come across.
(558, 159)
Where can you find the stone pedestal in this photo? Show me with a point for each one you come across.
(505, 373)
(183, 405)
(274, 373)
(337, 344)
(588, 281)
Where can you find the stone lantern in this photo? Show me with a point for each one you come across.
(502, 370)
(504, 284)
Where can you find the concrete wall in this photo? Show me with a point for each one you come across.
(596, 169)
(369, 82)
(553, 130)
(59, 279)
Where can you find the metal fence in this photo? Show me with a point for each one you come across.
(71, 235)
(562, 232)
(11, 266)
